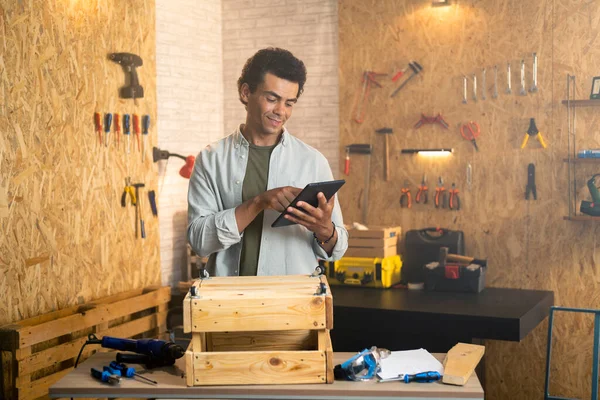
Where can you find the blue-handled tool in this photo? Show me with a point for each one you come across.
(145, 127)
(429, 376)
(128, 372)
(105, 376)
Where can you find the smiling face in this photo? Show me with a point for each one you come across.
(268, 108)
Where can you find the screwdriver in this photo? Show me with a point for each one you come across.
(126, 129)
(136, 129)
(428, 376)
(128, 372)
(107, 124)
(145, 127)
(118, 129)
(105, 376)
(98, 123)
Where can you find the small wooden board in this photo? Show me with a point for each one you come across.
(376, 232)
(460, 362)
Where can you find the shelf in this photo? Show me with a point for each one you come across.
(583, 160)
(581, 218)
(582, 103)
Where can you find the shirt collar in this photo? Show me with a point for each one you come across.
(240, 140)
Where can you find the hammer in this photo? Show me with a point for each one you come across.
(138, 210)
(416, 68)
(445, 256)
(386, 164)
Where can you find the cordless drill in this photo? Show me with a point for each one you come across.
(592, 207)
(151, 352)
(129, 62)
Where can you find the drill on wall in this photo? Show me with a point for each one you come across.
(592, 207)
(150, 352)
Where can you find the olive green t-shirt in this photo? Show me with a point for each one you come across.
(255, 183)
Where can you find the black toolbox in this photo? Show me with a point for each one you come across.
(454, 278)
(422, 246)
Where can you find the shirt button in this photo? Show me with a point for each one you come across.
(237, 182)
(243, 156)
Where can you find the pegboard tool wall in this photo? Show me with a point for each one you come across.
(64, 237)
(528, 243)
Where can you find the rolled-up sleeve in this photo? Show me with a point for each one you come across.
(210, 228)
(336, 216)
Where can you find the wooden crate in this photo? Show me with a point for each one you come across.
(376, 242)
(259, 330)
(39, 351)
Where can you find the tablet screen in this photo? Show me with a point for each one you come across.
(309, 195)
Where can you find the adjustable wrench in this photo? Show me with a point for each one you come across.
(464, 100)
(534, 87)
(474, 87)
(483, 88)
(495, 92)
(508, 87)
(523, 92)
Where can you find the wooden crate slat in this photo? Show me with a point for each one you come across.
(40, 387)
(7, 359)
(265, 367)
(70, 350)
(360, 242)
(255, 280)
(258, 314)
(263, 340)
(31, 335)
(376, 232)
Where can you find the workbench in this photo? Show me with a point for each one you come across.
(401, 319)
(171, 385)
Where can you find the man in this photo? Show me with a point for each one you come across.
(243, 182)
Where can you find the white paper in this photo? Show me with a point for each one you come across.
(409, 362)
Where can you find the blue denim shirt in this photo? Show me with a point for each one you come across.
(216, 190)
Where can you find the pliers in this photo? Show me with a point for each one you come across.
(422, 193)
(533, 131)
(129, 190)
(440, 194)
(405, 200)
(454, 198)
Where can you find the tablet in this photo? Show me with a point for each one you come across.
(309, 195)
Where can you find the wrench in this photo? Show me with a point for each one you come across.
(523, 92)
(483, 88)
(474, 87)
(495, 92)
(464, 100)
(508, 87)
(534, 87)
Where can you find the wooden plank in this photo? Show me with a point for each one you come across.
(70, 350)
(199, 342)
(40, 387)
(8, 375)
(370, 242)
(371, 252)
(376, 232)
(35, 334)
(329, 360)
(248, 368)
(460, 362)
(189, 365)
(258, 314)
(187, 313)
(264, 340)
(582, 103)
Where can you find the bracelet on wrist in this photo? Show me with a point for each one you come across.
(322, 242)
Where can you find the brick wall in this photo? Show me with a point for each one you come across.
(190, 110)
(309, 30)
(201, 48)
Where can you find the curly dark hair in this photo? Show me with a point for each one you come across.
(276, 61)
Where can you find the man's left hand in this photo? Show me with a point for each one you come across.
(315, 219)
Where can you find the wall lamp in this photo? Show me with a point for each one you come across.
(438, 3)
(185, 171)
(428, 152)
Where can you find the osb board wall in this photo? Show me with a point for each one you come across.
(64, 238)
(528, 243)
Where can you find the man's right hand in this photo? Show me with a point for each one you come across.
(278, 199)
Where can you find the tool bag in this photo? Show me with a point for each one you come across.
(455, 278)
(422, 246)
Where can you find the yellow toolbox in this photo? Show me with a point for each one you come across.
(364, 272)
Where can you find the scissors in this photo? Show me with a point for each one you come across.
(470, 131)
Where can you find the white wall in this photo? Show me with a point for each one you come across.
(189, 82)
(309, 30)
(201, 47)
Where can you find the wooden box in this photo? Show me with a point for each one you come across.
(376, 242)
(259, 330)
(38, 351)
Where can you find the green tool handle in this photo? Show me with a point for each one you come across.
(591, 184)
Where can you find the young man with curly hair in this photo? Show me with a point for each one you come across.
(242, 183)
